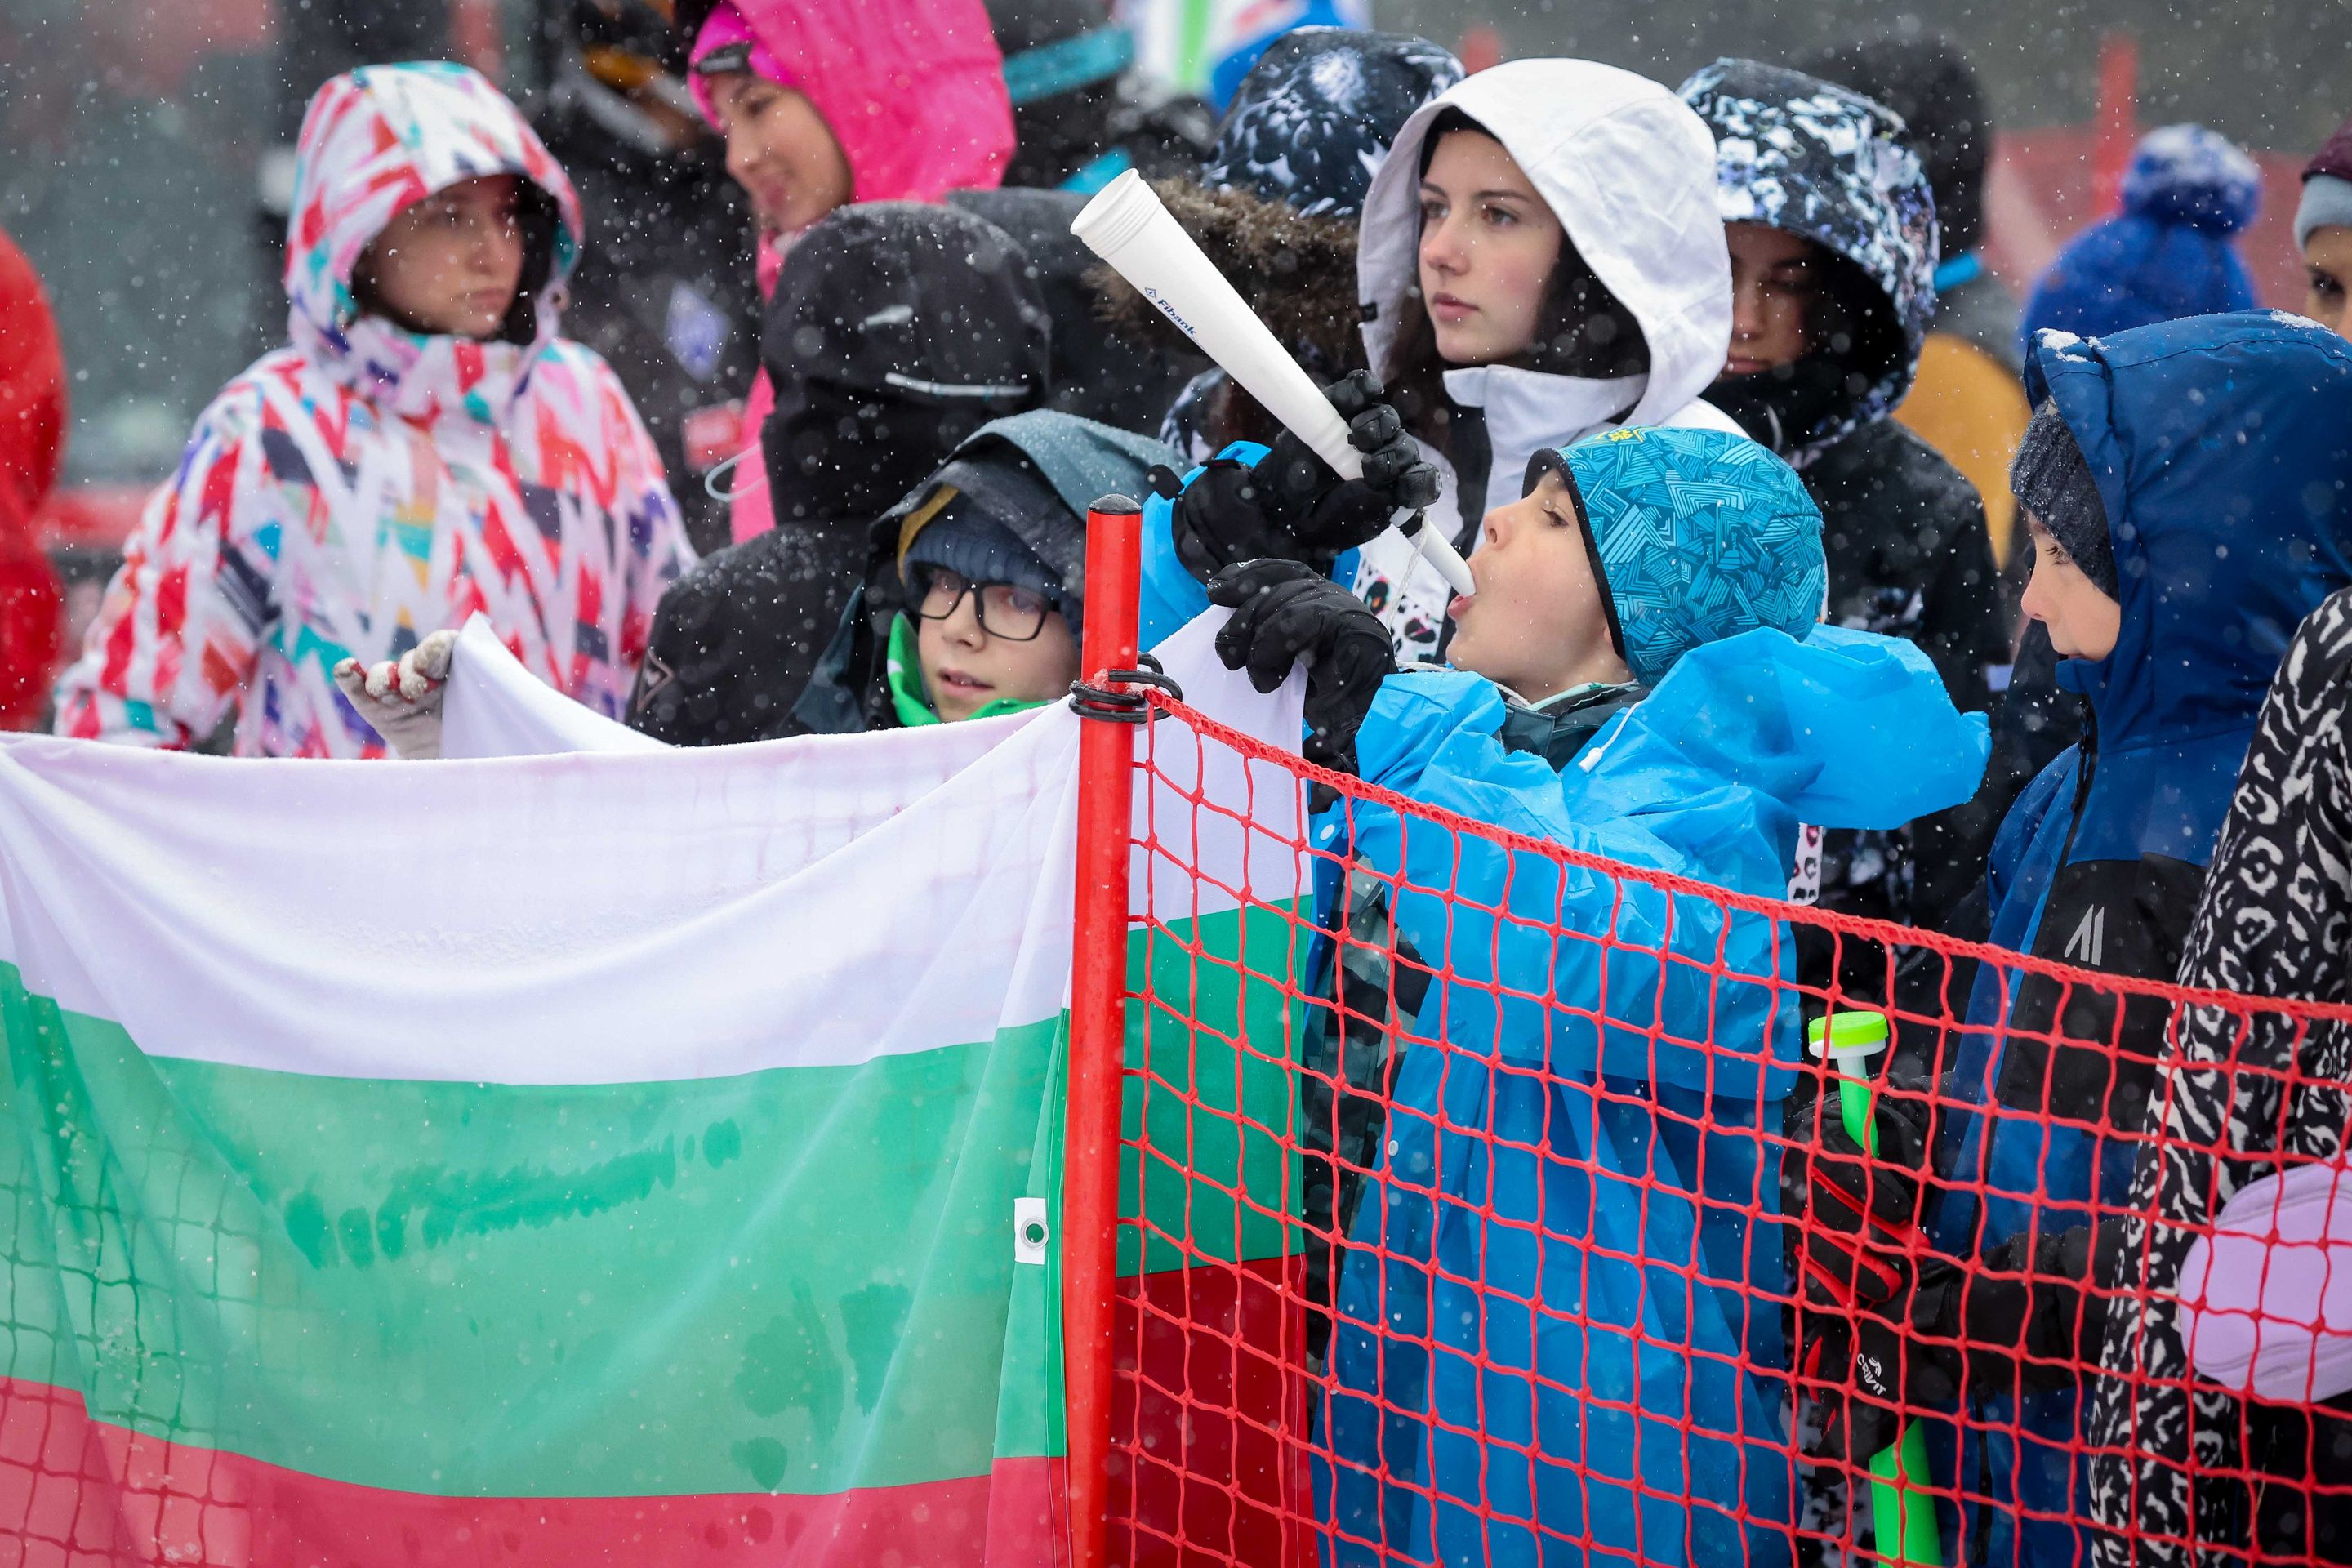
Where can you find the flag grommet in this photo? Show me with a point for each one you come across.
(1030, 1231)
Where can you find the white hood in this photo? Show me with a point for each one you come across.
(1629, 170)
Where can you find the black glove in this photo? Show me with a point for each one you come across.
(1292, 507)
(1864, 1373)
(1285, 614)
(1829, 1185)
(2024, 1317)
(1857, 1214)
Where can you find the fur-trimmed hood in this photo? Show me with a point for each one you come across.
(1275, 205)
(1298, 273)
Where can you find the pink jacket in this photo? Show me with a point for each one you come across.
(913, 90)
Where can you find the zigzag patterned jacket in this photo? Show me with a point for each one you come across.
(369, 485)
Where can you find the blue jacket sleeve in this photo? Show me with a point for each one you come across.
(1557, 960)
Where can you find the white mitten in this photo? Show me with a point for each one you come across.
(400, 698)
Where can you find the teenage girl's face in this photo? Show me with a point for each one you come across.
(780, 151)
(2083, 621)
(1536, 624)
(2327, 267)
(1775, 280)
(965, 669)
(1488, 245)
(451, 263)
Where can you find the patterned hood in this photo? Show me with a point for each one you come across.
(1796, 153)
(1314, 118)
(1699, 535)
(375, 142)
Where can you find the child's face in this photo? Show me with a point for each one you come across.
(2083, 621)
(1536, 624)
(451, 262)
(2328, 267)
(967, 665)
(1774, 282)
(1488, 245)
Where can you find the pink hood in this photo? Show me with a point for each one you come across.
(914, 90)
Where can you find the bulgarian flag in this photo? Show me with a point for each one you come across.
(626, 1156)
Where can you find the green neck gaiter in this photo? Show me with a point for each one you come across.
(904, 671)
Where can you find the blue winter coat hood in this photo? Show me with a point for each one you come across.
(2222, 450)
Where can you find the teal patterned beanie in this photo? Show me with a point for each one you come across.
(1697, 535)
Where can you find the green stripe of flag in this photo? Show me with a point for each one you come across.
(797, 1280)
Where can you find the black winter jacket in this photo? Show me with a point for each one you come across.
(896, 331)
(1908, 556)
(664, 289)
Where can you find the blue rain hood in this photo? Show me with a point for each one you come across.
(2222, 450)
(1630, 1182)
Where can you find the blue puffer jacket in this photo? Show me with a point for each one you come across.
(1569, 1351)
(2223, 448)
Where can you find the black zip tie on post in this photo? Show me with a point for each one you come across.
(1123, 706)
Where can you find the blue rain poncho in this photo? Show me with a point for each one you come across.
(1569, 1347)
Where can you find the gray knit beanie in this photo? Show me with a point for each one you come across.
(2054, 484)
(2326, 203)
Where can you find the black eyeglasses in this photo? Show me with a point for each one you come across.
(1003, 609)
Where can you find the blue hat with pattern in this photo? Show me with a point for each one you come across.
(1318, 112)
(1696, 535)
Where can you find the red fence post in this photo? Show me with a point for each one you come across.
(1097, 1029)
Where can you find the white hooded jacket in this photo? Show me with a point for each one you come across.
(1629, 170)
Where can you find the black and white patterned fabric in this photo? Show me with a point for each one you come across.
(1799, 154)
(1316, 115)
(2275, 920)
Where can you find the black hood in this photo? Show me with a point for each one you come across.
(1929, 83)
(1125, 374)
(913, 302)
(896, 330)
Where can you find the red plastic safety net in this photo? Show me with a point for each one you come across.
(1486, 1204)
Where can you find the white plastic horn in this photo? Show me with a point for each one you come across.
(1128, 226)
